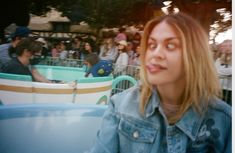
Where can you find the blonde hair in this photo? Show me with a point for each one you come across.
(201, 80)
(108, 44)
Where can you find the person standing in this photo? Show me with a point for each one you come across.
(77, 45)
(108, 50)
(175, 108)
(55, 51)
(45, 50)
(88, 48)
(223, 66)
(121, 35)
(122, 59)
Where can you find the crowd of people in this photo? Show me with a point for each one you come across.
(117, 49)
(120, 49)
(110, 47)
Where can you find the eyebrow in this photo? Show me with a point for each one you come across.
(167, 39)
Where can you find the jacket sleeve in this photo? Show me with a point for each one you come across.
(107, 140)
(228, 145)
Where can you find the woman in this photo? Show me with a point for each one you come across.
(88, 49)
(122, 59)
(175, 109)
(223, 66)
(108, 51)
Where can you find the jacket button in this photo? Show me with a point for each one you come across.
(136, 134)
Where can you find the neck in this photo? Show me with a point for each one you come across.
(15, 42)
(89, 50)
(171, 94)
(23, 60)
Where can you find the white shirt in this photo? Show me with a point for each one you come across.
(121, 63)
(225, 74)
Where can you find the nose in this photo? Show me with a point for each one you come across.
(158, 52)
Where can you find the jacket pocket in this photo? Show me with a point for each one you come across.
(136, 135)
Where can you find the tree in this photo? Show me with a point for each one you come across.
(204, 10)
(109, 13)
(100, 13)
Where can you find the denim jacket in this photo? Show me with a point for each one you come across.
(125, 130)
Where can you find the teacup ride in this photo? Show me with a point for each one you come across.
(71, 87)
(49, 128)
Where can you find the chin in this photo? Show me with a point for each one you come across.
(155, 83)
(155, 80)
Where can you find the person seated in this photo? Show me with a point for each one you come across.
(97, 67)
(7, 50)
(26, 49)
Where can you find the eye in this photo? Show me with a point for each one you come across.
(152, 46)
(170, 46)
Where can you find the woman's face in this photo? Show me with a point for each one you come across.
(163, 59)
(109, 40)
(62, 46)
(120, 47)
(138, 49)
(87, 46)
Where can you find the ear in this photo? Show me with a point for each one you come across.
(27, 53)
(18, 38)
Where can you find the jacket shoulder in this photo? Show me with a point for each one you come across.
(221, 107)
(127, 97)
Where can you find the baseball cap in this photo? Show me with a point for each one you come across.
(122, 42)
(41, 40)
(21, 31)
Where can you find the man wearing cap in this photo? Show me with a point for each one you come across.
(45, 50)
(7, 51)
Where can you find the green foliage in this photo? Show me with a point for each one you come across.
(98, 13)
(113, 13)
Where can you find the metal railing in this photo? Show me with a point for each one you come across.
(56, 61)
(226, 85)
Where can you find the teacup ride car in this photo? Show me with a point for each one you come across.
(49, 128)
(71, 87)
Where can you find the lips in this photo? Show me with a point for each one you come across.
(154, 68)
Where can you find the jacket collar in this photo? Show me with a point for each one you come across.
(189, 123)
(153, 103)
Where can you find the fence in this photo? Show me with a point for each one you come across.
(133, 71)
(55, 61)
(226, 85)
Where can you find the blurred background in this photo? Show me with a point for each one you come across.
(93, 16)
